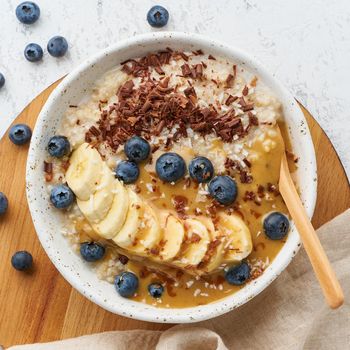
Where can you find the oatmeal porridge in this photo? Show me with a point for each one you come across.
(167, 174)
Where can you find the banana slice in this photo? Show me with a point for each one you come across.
(84, 172)
(126, 236)
(115, 218)
(239, 241)
(197, 244)
(96, 208)
(208, 223)
(215, 253)
(173, 236)
(149, 233)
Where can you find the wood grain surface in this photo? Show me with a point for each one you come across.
(41, 306)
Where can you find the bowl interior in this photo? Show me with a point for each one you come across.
(49, 222)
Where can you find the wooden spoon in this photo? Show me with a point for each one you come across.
(324, 272)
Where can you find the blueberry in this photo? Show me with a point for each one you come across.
(156, 290)
(33, 52)
(22, 260)
(137, 149)
(57, 46)
(126, 284)
(20, 134)
(58, 146)
(91, 251)
(2, 80)
(3, 203)
(238, 275)
(170, 167)
(158, 16)
(276, 225)
(201, 169)
(223, 189)
(127, 171)
(28, 12)
(62, 196)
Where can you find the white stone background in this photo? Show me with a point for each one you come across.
(306, 44)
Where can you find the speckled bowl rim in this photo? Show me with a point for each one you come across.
(137, 310)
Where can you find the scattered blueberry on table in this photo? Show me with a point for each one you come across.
(238, 275)
(223, 189)
(33, 52)
(57, 46)
(155, 290)
(157, 16)
(3, 203)
(127, 171)
(91, 251)
(22, 260)
(2, 80)
(137, 149)
(61, 196)
(170, 167)
(20, 134)
(58, 146)
(126, 284)
(276, 225)
(201, 169)
(28, 12)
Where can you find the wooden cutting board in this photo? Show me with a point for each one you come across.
(41, 306)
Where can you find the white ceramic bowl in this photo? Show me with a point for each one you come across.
(48, 222)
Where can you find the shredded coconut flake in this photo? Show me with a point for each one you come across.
(197, 292)
(189, 283)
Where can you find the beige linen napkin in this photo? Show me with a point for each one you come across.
(289, 314)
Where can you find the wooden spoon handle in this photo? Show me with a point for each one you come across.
(318, 258)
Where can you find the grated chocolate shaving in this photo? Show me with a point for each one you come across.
(186, 70)
(248, 107)
(184, 56)
(245, 177)
(48, 169)
(233, 166)
(261, 191)
(153, 106)
(249, 196)
(180, 202)
(123, 259)
(194, 72)
(242, 102)
(230, 100)
(229, 80)
(247, 163)
(65, 165)
(94, 131)
(210, 252)
(245, 90)
(198, 52)
(257, 272)
(290, 155)
(253, 120)
(234, 71)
